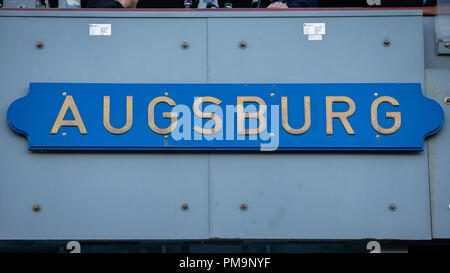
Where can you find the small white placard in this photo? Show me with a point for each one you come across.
(315, 37)
(100, 29)
(314, 28)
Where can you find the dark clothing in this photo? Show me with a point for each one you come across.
(300, 3)
(260, 3)
(104, 4)
(384, 3)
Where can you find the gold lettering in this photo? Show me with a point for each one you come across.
(69, 103)
(241, 116)
(285, 120)
(342, 116)
(171, 115)
(200, 114)
(395, 115)
(106, 116)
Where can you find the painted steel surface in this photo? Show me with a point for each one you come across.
(58, 116)
(438, 87)
(133, 195)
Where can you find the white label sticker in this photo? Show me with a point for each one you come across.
(315, 37)
(100, 29)
(314, 28)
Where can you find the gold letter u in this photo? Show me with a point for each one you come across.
(106, 112)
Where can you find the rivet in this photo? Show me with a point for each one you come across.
(166, 94)
(36, 208)
(166, 137)
(272, 94)
(184, 207)
(377, 136)
(64, 94)
(447, 45)
(184, 45)
(392, 207)
(272, 134)
(447, 100)
(242, 44)
(375, 94)
(387, 43)
(39, 45)
(64, 134)
(244, 207)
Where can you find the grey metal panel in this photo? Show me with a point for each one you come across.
(99, 195)
(299, 195)
(432, 60)
(437, 82)
(351, 50)
(438, 87)
(137, 51)
(318, 195)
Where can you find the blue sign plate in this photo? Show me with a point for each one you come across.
(88, 116)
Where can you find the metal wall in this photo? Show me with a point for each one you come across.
(308, 195)
(437, 69)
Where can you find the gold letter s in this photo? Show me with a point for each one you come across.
(200, 114)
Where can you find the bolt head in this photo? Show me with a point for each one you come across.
(387, 43)
(184, 45)
(244, 207)
(36, 208)
(392, 207)
(447, 100)
(39, 45)
(185, 207)
(242, 44)
(447, 45)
